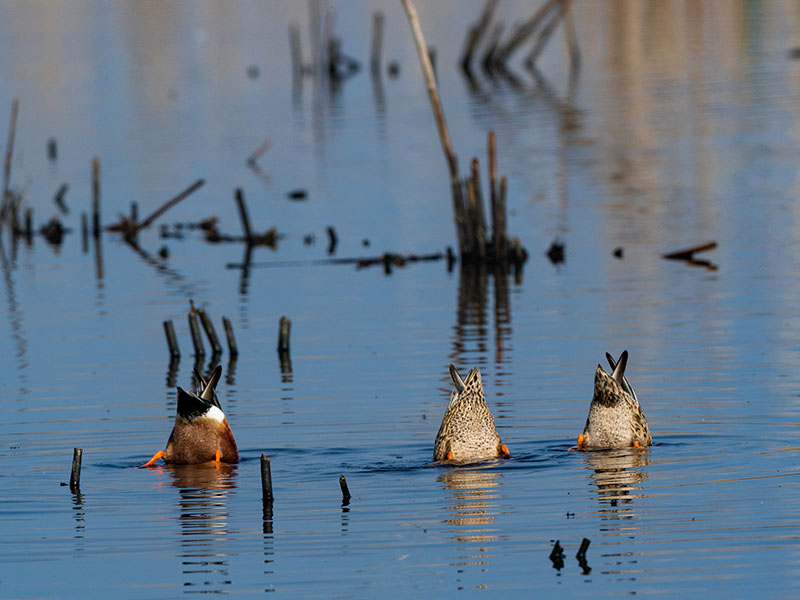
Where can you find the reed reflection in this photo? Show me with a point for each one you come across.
(203, 493)
(471, 331)
(472, 504)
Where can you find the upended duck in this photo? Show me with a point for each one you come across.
(201, 432)
(615, 418)
(467, 432)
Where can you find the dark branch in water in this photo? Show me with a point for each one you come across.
(687, 255)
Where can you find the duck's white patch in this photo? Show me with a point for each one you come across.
(215, 413)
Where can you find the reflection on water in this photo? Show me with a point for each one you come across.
(472, 507)
(204, 491)
(617, 475)
(471, 339)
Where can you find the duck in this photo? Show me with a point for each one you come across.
(467, 432)
(201, 432)
(615, 417)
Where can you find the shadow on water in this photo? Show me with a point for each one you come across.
(203, 493)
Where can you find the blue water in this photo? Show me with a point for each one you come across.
(679, 128)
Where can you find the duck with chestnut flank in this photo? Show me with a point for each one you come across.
(201, 432)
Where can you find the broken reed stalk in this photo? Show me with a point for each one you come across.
(502, 241)
(172, 339)
(245, 218)
(208, 326)
(266, 480)
(430, 84)
(475, 33)
(52, 149)
(476, 204)
(96, 197)
(438, 113)
(233, 349)
(59, 199)
(5, 201)
(169, 204)
(345, 490)
(377, 43)
(584, 547)
(194, 328)
(284, 329)
(75, 474)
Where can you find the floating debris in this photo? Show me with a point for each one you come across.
(298, 194)
(687, 255)
(556, 253)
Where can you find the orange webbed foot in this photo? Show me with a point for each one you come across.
(504, 450)
(581, 441)
(156, 456)
(450, 455)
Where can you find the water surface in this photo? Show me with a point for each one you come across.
(679, 127)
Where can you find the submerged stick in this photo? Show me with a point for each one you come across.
(172, 340)
(194, 328)
(169, 204)
(333, 240)
(252, 160)
(688, 253)
(75, 474)
(52, 149)
(284, 329)
(245, 218)
(557, 556)
(205, 320)
(233, 349)
(59, 199)
(584, 547)
(96, 197)
(377, 43)
(266, 480)
(345, 490)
